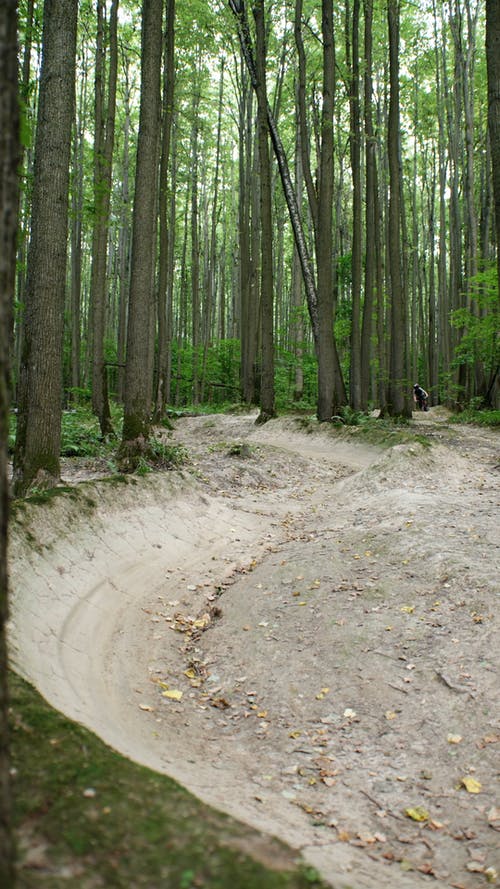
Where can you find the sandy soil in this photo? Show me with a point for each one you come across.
(329, 612)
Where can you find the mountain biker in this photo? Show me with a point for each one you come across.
(420, 397)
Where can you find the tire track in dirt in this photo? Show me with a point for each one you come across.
(323, 678)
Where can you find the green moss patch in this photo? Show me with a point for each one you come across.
(85, 815)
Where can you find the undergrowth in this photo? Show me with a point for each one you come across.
(477, 417)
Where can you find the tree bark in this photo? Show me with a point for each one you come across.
(138, 377)
(357, 231)
(493, 68)
(267, 409)
(105, 106)
(163, 383)
(10, 156)
(398, 399)
(38, 440)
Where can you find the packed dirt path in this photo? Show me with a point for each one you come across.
(300, 628)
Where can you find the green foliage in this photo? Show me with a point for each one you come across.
(81, 435)
(480, 324)
(477, 417)
(160, 455)
(221, 372)
(111, 822)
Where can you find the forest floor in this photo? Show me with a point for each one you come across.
(302, 628)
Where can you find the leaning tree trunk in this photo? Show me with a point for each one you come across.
(38, 440)
(138, 382)
(10, 155)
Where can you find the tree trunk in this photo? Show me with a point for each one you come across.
(493, 67)
(105, 106)
(357, 235)
(138, 382)
(38, 440)
(10, 156)
(163, 361)
(267, 410)
(398, 398)
(371, 218)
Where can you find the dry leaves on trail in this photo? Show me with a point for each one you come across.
(471, 785)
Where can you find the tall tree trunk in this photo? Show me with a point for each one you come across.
(195, 250)
(357, 235)
(138, 381)
(372, 221)
(10, 156)
(398, 399)
(493, 67)
(76, 240)
(38, 440)
(297, 284)
(164, 239)
(267, 410)
(105, 106)
(331, 390)
(124, 245)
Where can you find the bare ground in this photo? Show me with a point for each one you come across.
(329, 612)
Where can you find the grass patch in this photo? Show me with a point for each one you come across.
(477, 418)
(98, 819)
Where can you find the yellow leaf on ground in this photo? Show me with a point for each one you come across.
(454, 739)
(262, 714)
(295, 734)
(408, 609)
(172, 694)
(471, 785)
(417, 813)
(390, 714)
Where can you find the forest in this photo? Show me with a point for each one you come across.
(278, 207)
(289, 205)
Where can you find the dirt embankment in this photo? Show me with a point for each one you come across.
(301, 629)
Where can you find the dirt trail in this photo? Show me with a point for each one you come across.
(329, 612)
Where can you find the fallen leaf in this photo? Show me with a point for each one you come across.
(172, 694)
(494, 818)
(426, 868)
(417, 813)
(475, 867)
(408, 609)
(488, 739)
(146, 707)
(222, 704)
(262, 714)
(454, 739)
(390, 714)
(471, 785)
(295, 734)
